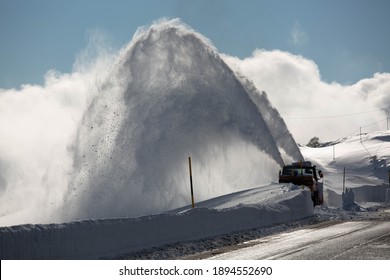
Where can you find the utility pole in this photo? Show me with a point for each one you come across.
(344, 181)
(334, 153)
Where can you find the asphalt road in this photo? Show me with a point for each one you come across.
(364, 239)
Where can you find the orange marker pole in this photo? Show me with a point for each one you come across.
(192, 189)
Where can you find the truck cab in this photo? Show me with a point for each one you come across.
(303, 173)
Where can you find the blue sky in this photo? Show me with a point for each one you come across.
(347, 39)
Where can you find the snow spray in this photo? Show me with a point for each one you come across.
(165, 96)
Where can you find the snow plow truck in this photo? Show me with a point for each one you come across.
(303, 173)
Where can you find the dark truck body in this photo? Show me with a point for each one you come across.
(304, 174)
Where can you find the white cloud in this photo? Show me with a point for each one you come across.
(298, 35)
(37, 128)
(310, 106)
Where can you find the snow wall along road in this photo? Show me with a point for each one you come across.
(167, 95)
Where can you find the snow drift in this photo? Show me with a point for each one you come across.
(170, 96)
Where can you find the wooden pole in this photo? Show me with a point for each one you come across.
(192, 189)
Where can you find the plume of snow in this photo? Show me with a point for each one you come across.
(171, 97)
(113, 137)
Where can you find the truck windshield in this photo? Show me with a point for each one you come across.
(291, 171)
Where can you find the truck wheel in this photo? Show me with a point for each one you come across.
(315, 198)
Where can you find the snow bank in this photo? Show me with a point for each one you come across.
(91, 239)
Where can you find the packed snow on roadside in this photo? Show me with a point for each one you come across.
(108, 238)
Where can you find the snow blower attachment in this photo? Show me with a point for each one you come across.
(303, 173)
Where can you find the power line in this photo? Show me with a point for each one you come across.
(374, 123)
(335, 116)
(360, 128)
